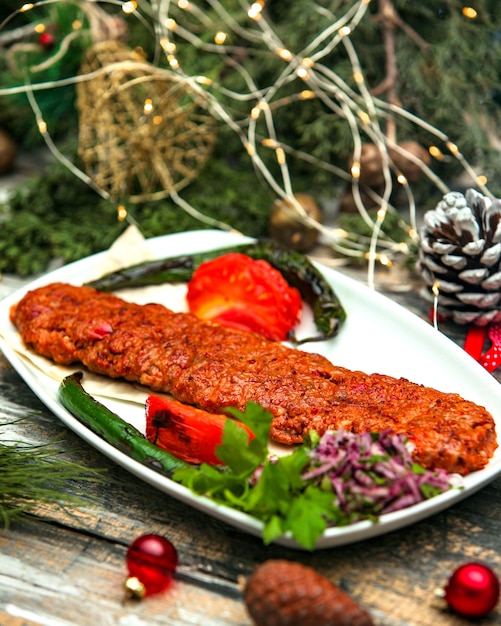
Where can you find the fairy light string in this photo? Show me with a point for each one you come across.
(250, 111)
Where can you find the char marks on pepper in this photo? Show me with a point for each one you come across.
(212, 367)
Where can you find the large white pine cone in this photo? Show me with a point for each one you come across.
(460, 256)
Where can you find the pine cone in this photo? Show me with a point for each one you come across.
(285, 593)
(460, 254)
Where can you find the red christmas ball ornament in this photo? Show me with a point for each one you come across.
(151, 561)
(47, 41)
(472, 590)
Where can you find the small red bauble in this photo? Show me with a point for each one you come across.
(472, 590)
(47, 41)
(151, 561)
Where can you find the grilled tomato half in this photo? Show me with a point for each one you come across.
(237, 291)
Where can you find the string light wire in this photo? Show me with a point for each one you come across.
(256, 129)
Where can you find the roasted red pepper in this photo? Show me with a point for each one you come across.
(186, 432)
(243, 293)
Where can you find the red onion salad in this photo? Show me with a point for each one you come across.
(371, 474)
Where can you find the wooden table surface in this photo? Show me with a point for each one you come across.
(66, 567)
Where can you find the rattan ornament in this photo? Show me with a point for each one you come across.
(143, 131)
(460, 258)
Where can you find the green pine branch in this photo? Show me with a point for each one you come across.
(37, 474)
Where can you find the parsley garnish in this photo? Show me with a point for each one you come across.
(300, 493)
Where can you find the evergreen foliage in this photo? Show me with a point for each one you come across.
(57, 216)
(34, 474)
(448, 72)
(16, 63)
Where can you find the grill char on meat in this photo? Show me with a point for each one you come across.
(212, 367)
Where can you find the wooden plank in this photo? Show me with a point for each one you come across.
(57, 573)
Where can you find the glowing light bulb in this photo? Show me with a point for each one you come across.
(148, 106)
(355, 169)
(255, 10)
(307, 94)
(280, 154)
(170, 24)
(344, 31)
(26, 7)
(129, 7)
(173, 62)
(436, 152)
(284, 54)
(220, 37)
(469, 12)
(269, 143)
(121, 213)
(364, 117)
(203, 80)
(168, 45)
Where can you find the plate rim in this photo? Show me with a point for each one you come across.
(332, 537)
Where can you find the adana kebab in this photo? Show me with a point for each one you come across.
(212, 367)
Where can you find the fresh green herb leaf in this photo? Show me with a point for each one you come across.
(242, 457)
(430, 491)
(333, 480)
(273, 529)
(309, 514)
(418, 469)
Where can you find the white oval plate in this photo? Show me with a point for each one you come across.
(378, 336)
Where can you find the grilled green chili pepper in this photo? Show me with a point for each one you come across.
(297, 269)
(113, 428)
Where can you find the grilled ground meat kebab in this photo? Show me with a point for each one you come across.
(212, 367)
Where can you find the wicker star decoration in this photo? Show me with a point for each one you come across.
(142, 132)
